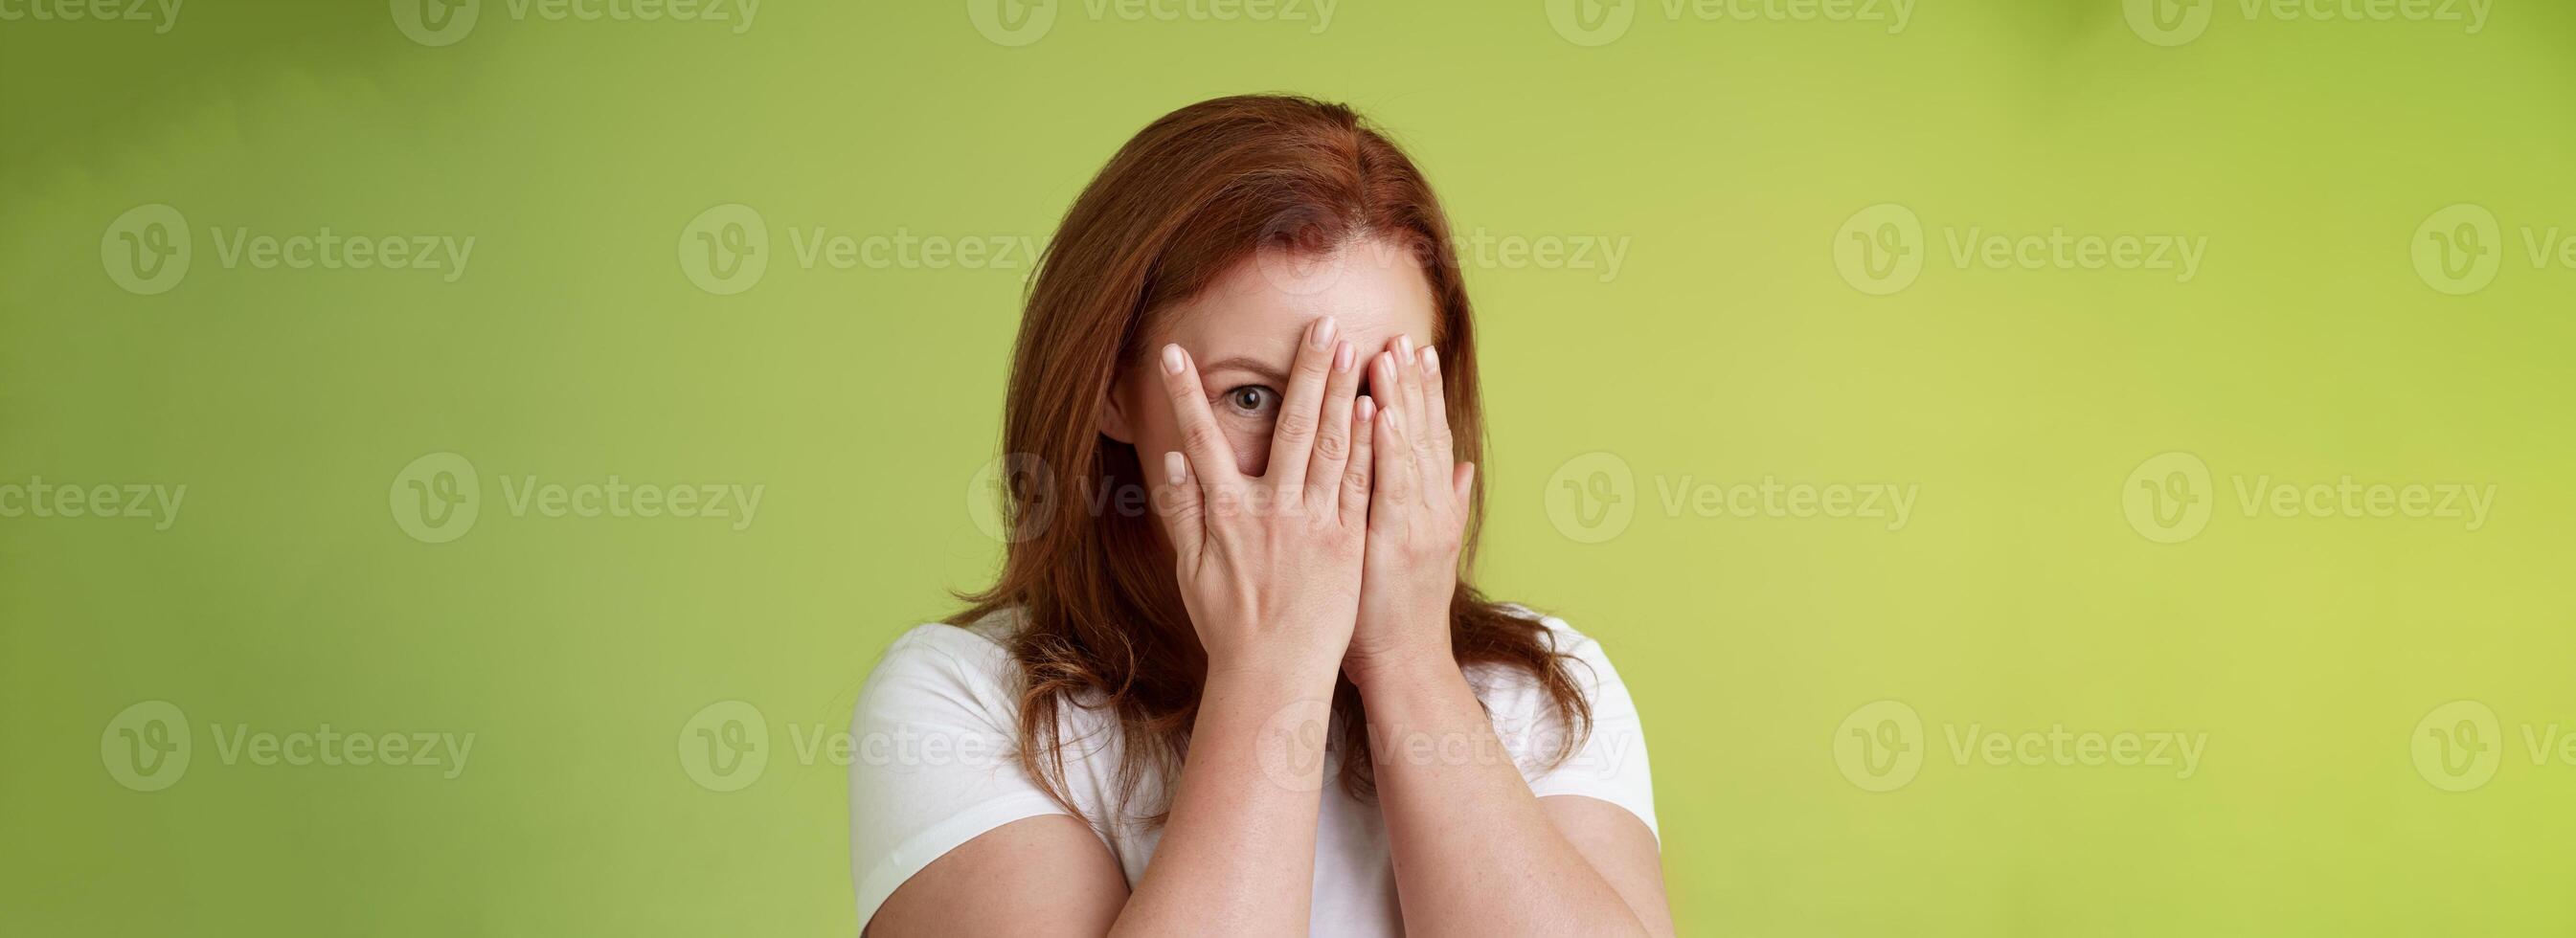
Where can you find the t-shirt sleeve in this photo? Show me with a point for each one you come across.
(933, 759)
(1610, 764)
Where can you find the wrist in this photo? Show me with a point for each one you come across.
(1378, 674)
(1293, 669)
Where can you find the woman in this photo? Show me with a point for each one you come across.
(1247, 358)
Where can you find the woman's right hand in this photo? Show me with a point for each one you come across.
(1269, 566)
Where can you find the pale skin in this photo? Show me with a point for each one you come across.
(1315, 531)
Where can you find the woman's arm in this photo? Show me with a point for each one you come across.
(1269, 568)
(1270, 571)
(1475, 852)
(1237, 856)
(1044, 876)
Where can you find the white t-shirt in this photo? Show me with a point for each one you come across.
(934, 765)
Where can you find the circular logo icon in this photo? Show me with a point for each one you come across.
(2458, 250)
(1012, 23)
(1294, 253)
(436, 498)
(1879, 747)
(1591, 22)
(145, 747)
(146, 250)
(2458, 745)
(1592, 497)
(1292, 745)
(1879, 249)
(2168, 22)
(436, 23)
(725, 746)
(725, 249)
(2168, 498)
(1012, 479)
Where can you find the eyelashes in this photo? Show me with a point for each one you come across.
(1251, 400)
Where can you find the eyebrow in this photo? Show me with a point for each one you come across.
(1258, 368)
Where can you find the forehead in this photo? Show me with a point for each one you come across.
(1374, 290)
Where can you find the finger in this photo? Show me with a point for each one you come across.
(1184, 517)
(1356, 490)
(1211, 459)
(1462, 481)
(1292, 442)
(1418, 405)
(1409, 371)
(1396, 475)
(1395, 376)
(1333, 429)
(1386, 379)
(1435, 417)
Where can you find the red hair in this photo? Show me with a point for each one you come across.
(1191, 196)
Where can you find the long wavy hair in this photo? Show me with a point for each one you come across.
(1207, 187)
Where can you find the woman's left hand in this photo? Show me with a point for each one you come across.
(1417, 519)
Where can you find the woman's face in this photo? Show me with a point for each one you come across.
(1243, 331)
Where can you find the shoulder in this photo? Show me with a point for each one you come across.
(962, 670)
(1519, 702)
(1583, 658)
(1604, 756)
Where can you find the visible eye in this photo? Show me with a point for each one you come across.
(1252, 400)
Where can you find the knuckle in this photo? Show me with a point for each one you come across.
(1333, 446)
(1297, 424)
(1199, 436)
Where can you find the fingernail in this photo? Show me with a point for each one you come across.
(1430, 360)
(1175, 467)
(1342, 357)
(1406, 344)
(1366, 409)
(1324, 333)
(1172, 359)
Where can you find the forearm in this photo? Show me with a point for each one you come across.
(1237, 854)
(1473, 851)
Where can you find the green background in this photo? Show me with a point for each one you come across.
(1728, 348)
